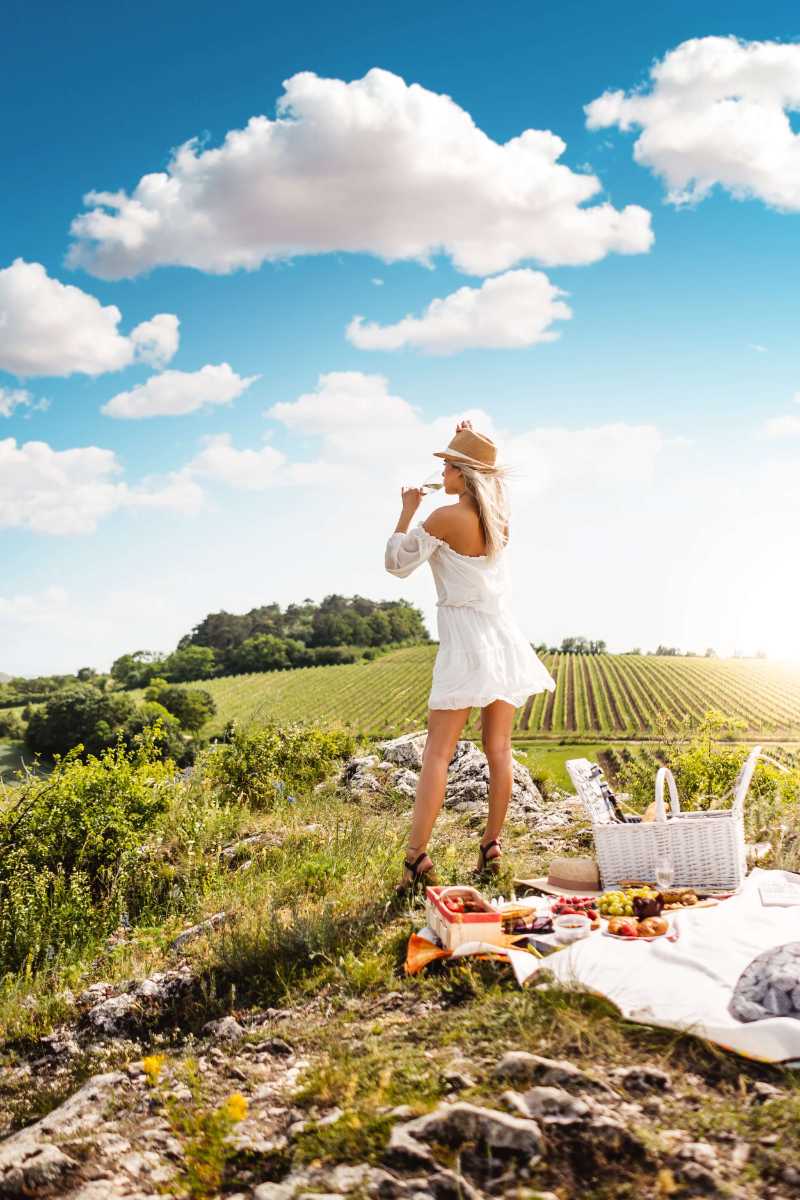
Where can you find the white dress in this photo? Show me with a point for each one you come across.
(483, 654)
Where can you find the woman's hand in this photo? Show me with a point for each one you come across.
(463, 425)
(412, 498)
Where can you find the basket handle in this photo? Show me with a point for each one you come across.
(664, 775)
(743, 781)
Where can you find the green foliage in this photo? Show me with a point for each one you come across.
(81, 715)
(193, 662)
(264, 764)
(10, 725)
(70, 861)
(191, 706)
(705, 767)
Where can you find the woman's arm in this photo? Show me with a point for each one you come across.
(412, 498)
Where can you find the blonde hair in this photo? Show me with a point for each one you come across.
(485, 485)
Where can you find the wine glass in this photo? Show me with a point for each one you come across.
(432, 484)
(665, 872)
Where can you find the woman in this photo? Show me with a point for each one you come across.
(484, 660)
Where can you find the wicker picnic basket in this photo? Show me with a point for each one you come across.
(707, 849)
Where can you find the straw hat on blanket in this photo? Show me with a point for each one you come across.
(567, 877)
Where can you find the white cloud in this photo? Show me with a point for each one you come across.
(508, 311)
(174, 393)
(51, 328)
(70, 491)
(717, 112)
(376, 281)
(787, 425)
(375, 166)
(250, 470)
(14, 398)
(156, 341)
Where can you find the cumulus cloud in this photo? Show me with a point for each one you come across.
(70, 491)
(375, 166)
(787, 425)
(52, 328)
(368, 432)
(174, 393)
(508, 311)
(16, 398)
(156, 341)
(716, 112)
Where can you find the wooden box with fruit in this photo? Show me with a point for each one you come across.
(460, 914)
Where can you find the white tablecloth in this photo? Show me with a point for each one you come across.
(688, 984)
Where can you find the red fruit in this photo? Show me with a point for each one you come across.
(569, 912)
(591, 914)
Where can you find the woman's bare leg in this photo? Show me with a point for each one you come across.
(444, 729)
(497, 721)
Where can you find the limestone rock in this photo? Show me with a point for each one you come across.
(519, 1066)
(453, 1124)
(211, 923)
(467, 783)
(226, 1029)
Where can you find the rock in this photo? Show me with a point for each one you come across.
(453, 1124)
(456, 1081)
(40, 1167)
(699, 1152)
(552, 1105)
(94, 994)
(274, 1046)
(467, 784)
(137, 1005)
(113, 1016)
(519, 1066)
(30, 1162)
(405, 751)
(226, 1029)
(644, 1078)
(211, 923)
(766, 1091)
(244, 847)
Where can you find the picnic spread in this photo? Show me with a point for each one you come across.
(669, 933)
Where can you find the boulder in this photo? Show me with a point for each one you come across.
(467, 784)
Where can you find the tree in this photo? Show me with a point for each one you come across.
(195, 662)
(137, 669)
(190, 706)
(78, 714)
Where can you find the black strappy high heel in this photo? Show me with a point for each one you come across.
(418, 878)
(489, 866)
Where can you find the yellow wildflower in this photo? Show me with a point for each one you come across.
(152, 1065)
(235, 1107)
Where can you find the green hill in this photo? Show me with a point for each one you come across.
(608, 695)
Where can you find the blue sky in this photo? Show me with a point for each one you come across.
(658, 498)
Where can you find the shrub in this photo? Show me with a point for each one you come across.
(11, 726)
(264, 763)
(69, 850)
(705, 770)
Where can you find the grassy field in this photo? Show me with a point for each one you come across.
(312, 954)
(603, 696)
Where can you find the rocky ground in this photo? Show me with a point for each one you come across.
(362, 1083)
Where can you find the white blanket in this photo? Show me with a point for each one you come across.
(688, 984)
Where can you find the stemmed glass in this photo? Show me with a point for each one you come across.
(665, 872)
(432, 484)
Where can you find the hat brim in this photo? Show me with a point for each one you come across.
(549, 889)
(455, 457)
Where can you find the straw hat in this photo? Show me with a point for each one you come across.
(471, 448)
(568, 877)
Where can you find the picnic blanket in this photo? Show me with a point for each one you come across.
(688, 984)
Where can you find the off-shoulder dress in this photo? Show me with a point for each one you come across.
(483, 655)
